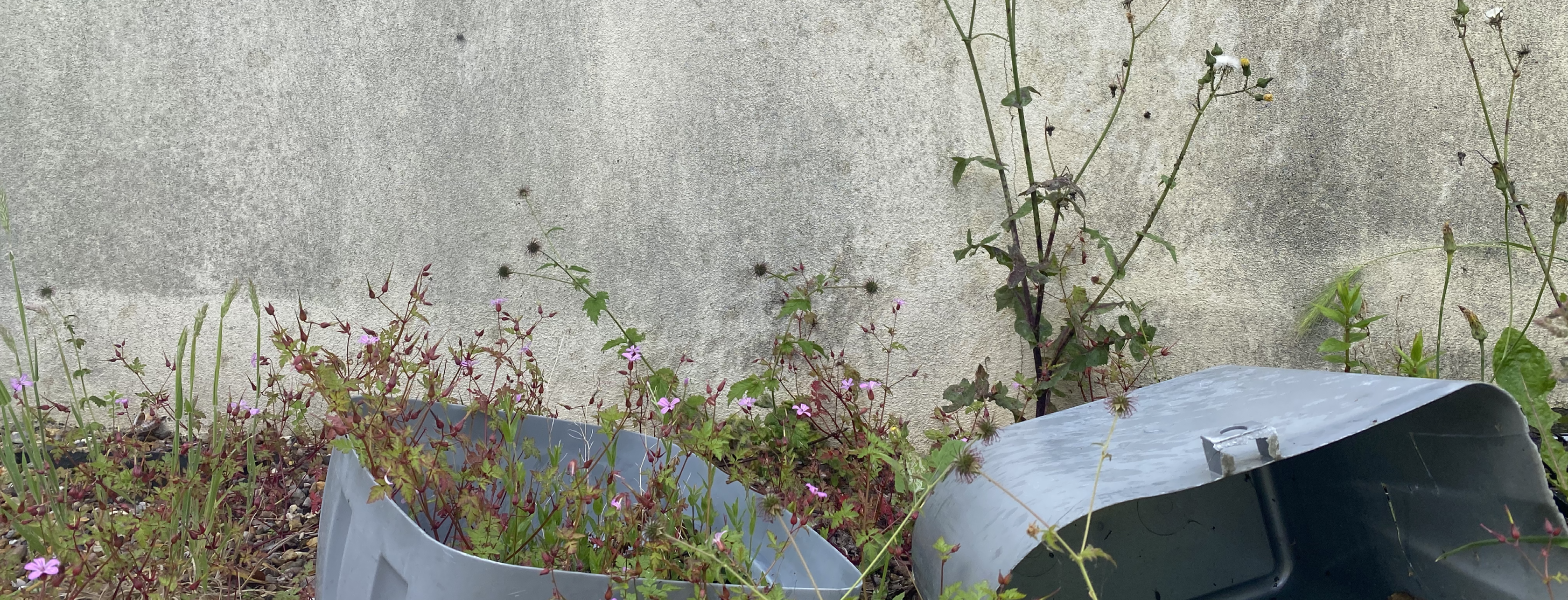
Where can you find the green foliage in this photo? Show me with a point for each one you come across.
(1346, 308)
(1416, 362)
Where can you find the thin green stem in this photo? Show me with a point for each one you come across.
(1482, 344)
(1441, 303)
(1119, 269)
(1497, 151)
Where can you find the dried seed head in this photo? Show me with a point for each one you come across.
(46, 292)
(987, 430)
(1121, 405)
(968, 465)
(524, 192)
(870, 286)
(760, 269)
(534, 247)
(504, 271)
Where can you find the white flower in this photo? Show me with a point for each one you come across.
(1226, 62)
(1494, 12)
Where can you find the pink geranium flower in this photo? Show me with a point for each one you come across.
(667, 404)
(40, 567)
(802, 410)
(816, 492)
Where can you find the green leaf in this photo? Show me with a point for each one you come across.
(794, 305)
(1023, 210)
(1020, 98)
(1526, 374)
(1161, 241)
(595, 304)
(1333, 345)
(989, 163)
(1105, 245)
(959, 165)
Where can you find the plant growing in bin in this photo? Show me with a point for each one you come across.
(566, 515)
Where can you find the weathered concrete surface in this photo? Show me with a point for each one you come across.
(153, 151)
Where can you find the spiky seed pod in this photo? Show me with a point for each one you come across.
(968, 465)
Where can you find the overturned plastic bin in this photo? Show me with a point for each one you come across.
(374, 551)
(1245, 483)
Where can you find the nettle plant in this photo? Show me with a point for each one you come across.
(1045, 242)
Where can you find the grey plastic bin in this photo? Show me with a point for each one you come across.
(1250, 483)
(376, 552)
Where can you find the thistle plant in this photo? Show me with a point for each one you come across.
(1043, 244)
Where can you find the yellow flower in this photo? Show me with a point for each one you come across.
(1245, 63)
(1268, 97)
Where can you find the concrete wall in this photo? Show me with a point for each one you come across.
(153, 151)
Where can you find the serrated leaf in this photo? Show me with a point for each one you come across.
(1161, 241)
(379, 492)
(794, 305)
(596, 304)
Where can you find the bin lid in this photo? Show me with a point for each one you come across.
(1050, 462)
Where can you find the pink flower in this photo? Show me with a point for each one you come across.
(242, 409)
(368, 339)
(718, 539)
(667, 404)
(617, 502)
(465, 362)
(869, 385)
(123, 402)
(816, 492)
(497, 303)
(898, 304)
(746, 401)
(253, 358)
(527, 349)
(17, 383)
(632, 354)
(801, 410)
(846, 384)
(40, 567)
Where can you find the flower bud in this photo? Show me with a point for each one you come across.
(1449, 246)
(1476, 330)
(1208, 59)
(1216, 51)
(1463, 9)
(1560, 209)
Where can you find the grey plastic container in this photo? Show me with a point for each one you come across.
(1250, 483)
(374, 551)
